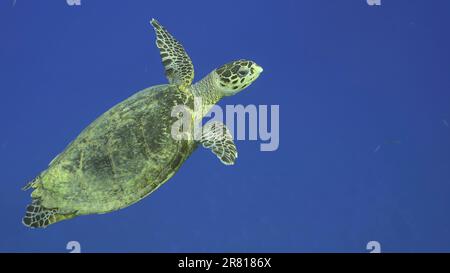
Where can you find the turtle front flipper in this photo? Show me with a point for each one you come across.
(37, 216)
(218, 138)
(177, 64)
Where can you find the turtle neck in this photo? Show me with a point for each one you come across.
(206, 92)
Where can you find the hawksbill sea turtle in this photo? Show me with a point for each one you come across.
(129, 151)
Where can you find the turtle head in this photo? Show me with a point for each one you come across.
(236, 76)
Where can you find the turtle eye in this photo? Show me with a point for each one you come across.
(243, 71)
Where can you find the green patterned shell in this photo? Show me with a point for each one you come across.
(121, 157)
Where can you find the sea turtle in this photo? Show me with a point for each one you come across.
(131, 150)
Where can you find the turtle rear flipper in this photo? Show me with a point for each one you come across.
(38, 216)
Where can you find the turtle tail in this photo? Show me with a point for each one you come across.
(37, 216)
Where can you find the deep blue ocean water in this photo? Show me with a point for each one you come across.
(364, 97)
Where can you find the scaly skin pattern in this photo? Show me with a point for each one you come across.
(120, 158)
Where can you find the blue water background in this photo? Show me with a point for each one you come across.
(364, 110)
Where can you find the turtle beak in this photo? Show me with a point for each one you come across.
(258, 69)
